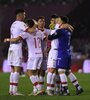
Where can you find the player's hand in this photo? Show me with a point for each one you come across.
(67, 26)
(7, 40)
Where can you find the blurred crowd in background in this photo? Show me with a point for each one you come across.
(37, 2)
(76, 10)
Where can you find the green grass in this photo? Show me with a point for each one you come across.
(25, 87)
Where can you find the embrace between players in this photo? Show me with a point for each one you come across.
(41, 57)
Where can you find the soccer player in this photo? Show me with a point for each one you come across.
(63, 62)
(33, 38)
(41, 28)
(15, 51)
(51, 66)
(54, 86)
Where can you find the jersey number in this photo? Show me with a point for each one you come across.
(37, 42)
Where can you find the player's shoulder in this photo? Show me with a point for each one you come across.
(48, 30)
(14, 23)
(19, 22)
(66, 30)
(25, 34)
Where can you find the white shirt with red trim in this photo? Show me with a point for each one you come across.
(54, 43)
(16, 29)
(34, 43)
(44, 43)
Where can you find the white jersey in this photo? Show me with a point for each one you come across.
(44, 44)
(16, 29)
(34, 43)
(45, 31)
(54, 43)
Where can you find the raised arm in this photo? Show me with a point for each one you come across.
(55, 35)
(67, 26)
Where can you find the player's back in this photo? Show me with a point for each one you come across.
(64, 40)
(16, 29)
(34, 44)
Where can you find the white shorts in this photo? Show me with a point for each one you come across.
(52, 58)
(15, 58)
(34, 63)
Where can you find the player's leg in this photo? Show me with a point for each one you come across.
(32, 77)
(62, 63)
(73, 78)
(42, 74)
(16, 76)
(50, 81)
(42, 78)
(57, 83)
(53, 82)
(14, 59)
(10, 59)
(33, 73)
(17, 61)
(11, 81)
(74, 81)
(64, 81)
(51, 66)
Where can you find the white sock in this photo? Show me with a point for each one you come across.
(11, 82)
(37, 78)
(34, 80)
(34, 89)
(63, 80)
(49, 77)
(52, 82)
(38, 85)
(15, 81)
(41, 82)
(73, 79)
(57, 83)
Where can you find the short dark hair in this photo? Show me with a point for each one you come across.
(19, 11)
(40, 17)
(29, 22)
(65, 19)
(54, 16)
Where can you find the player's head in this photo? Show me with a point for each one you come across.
(62, 19)
(20, 14)
(31, 23)
(41, 21)
(65, 19)
(53, 18)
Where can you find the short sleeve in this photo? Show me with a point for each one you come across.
(23, 26)
(24, 35)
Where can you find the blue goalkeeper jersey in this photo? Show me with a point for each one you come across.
(64, 39)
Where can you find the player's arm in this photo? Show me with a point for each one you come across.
(56, 35)
(13, 39)
(67, 26)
